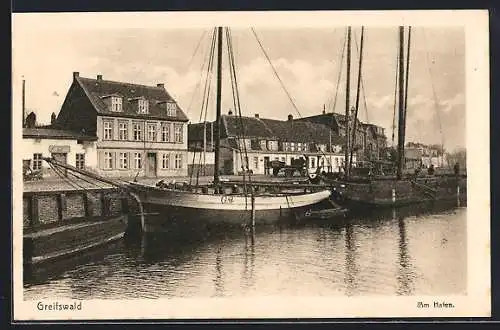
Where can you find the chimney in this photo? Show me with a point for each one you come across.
(76, 74)
(324, 108)
(160, 85)
(290, 117)
(99, 77)
(230, 112)
(256, 115)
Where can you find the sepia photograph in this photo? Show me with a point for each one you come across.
(250, 165)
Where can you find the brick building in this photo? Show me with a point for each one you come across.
(139, 129)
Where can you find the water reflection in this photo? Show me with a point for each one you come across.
(405, 273)
(218, 280)
(249, 261)
(383, 253)
(350, 260)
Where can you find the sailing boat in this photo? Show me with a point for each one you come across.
(392, 191)
(216, 203)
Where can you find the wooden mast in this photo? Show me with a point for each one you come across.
(347, 87)
(401, 121)
(218, 106)
(357, 97)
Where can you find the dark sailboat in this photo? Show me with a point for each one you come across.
(375, 189)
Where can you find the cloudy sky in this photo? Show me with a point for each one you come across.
(306, 59)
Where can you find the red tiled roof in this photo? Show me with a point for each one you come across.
(157, 96)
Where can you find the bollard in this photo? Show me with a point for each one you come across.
(253, 211)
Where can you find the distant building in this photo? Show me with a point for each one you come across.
(139, 129)
(265, 140)
(413, 158)
(430, 154)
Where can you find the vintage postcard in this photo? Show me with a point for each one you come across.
(209, 165)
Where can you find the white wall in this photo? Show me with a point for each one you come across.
(198, 156)
(335, 160)
(31, 146)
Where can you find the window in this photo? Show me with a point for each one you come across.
(292, 146)
(80, 161)
(123, 158)
(137, 131)
(165, 161)
(123, 130)
(37, 162)
(165, 132)
(171, 109)
(143, 106)
(116, 104)
(178, 161)
(138, 160)
(108, 130)
(108, 160)
(178, 133)
(299, 146)
(313, 162)
(256, 162)
(151, 132)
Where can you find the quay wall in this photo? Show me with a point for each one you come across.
(50, 208)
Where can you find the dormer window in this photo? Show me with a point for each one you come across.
(171, 109)
(116, 104)
(142, 106)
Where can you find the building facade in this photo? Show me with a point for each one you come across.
(140, 130)
(251, 143)
(65, 146)
(370, 140)
(430, 154)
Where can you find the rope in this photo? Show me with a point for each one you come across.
(237, 104)
(276, 73)
(238, 109)
(436, 104)
(342, 53)
(196, 49)
(395, 99)
(206, 94)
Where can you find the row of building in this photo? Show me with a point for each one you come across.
(119, 129)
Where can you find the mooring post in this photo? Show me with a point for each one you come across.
(458, 194)
(253, 211)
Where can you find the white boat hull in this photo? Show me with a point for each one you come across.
(226, 208)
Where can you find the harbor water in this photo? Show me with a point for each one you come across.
(411, 251)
